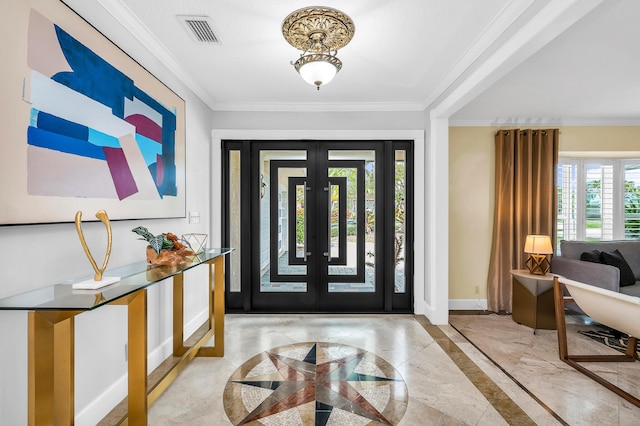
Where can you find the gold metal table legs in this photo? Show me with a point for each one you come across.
(215, 326)
(216, 309)
(51, 363)
(137, 356)
(51, 349)
(216, 314)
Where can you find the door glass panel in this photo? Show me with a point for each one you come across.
(301, 222)
(286, 236)
(400, 224)
(280, 276)
(356, 273)
(234, 220)
(334, 216)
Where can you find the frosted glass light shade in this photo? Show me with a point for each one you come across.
(318, 69)
(318, 73)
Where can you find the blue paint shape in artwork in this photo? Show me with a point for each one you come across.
(33, 119)
(57, 142)
(102, 139)
(93, 76)
(53, 124)
(168, 186)
(149, 148)
(169, 170)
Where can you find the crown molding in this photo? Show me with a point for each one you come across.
(545, 121)
(555, 18)
(319, 107)
(418, 135)
(141, 32)
(507, 16)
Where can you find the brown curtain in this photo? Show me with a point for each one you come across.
(525, 203)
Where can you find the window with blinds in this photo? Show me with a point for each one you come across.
(632, 201)
(598, 199)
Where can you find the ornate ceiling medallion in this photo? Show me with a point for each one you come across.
(319, 32)
(305, 26)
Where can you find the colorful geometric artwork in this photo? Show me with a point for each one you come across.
(84, 125)
(84, 115)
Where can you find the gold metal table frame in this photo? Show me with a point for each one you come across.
(51, 348)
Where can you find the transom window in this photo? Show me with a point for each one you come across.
(598, 199)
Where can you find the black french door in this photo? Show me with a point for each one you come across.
(319, 226)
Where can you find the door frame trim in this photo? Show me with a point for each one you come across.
(422, 215)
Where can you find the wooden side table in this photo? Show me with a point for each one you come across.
(532, 300)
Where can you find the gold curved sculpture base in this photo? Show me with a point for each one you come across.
(98, 281)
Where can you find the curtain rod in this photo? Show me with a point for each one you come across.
(544, 132)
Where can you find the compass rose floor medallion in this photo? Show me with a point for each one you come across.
(312, 383)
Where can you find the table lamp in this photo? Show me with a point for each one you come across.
(538, 247)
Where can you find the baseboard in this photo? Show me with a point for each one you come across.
(103, 404)
(467, 304)
(97, 409)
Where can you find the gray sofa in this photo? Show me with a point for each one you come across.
(569, 265)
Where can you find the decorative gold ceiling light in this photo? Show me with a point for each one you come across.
(319, 32)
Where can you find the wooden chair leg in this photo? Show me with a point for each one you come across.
(573, 360)
(561, 324)
(632, 347)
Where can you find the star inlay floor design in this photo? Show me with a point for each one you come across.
(322, 384)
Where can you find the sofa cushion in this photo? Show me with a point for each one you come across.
(591, 256)
(632, 290)
(616, 259)
(630, 249)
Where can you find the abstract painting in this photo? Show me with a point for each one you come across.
(100, 132)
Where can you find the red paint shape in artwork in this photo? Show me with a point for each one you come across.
(145, 127)
(159, 170)
(123, 179)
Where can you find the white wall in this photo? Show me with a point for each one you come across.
(320, 120)
(35, 256)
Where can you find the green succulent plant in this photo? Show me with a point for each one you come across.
(158, 242)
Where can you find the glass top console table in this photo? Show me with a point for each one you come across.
(51, 333)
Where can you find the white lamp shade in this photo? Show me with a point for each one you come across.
(318, 72)
(538, 244)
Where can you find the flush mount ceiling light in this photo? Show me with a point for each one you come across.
(319, 32)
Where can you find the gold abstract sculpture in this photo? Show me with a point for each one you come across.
(102, 215)
(98, 280)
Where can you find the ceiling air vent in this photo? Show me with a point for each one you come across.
(200, 28)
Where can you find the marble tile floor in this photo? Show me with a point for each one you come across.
(531, 361)
(448, 381)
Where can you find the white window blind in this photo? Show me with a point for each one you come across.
(599, 202)
(598, 199)
(632, 201)
(566, 223)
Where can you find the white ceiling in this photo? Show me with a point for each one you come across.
(477, 62)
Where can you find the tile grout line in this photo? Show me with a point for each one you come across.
(501, 402)
(520, 385)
